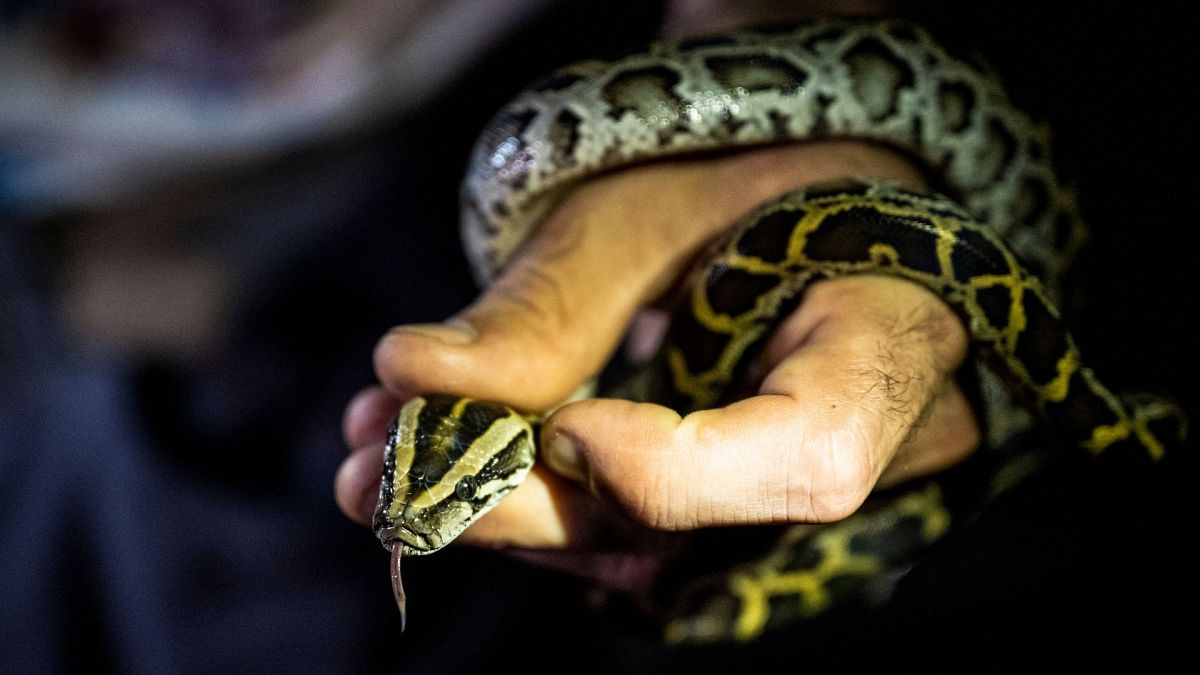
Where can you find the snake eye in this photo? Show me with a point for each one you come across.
(466, 488)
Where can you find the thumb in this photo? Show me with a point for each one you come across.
(861, 369)
(546, 325)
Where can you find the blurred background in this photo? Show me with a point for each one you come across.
(210, 210)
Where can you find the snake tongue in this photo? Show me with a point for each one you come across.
(398, 585)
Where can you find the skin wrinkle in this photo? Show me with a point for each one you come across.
(554, 241)
(541, 268)
(810, 495)
(528, 290)
(793, 458)
(550, 328)
(808, 463)
(644, 188)
(666, 511)
(847, 484)
(662, 470)
(528, 280)
(649, 508)
(618, 487)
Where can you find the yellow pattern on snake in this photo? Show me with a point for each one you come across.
(755, 585)
(448, 460)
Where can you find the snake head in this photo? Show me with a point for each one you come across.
(448, 461)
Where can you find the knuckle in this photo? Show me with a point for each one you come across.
(537, 302)
(530, 293)
(651, 501)
(833, 481)
(657, 493)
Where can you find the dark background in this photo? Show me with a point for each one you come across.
(172, 514)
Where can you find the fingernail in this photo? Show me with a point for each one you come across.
(452, 331)
(564, 458)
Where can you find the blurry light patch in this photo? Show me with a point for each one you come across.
(134, 296)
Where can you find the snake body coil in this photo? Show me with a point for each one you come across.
(449, 460)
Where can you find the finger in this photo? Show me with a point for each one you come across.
(548, 323)
(545, 512)
(556, 524)
(356, 486)
(368, 416)
(759, 460)
(546, 521)
(829, 418)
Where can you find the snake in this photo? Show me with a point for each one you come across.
(992, 238)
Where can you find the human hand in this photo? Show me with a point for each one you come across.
(857, 388)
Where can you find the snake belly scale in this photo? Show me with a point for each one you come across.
(448, 460)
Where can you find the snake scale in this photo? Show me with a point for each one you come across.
(995, 248)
